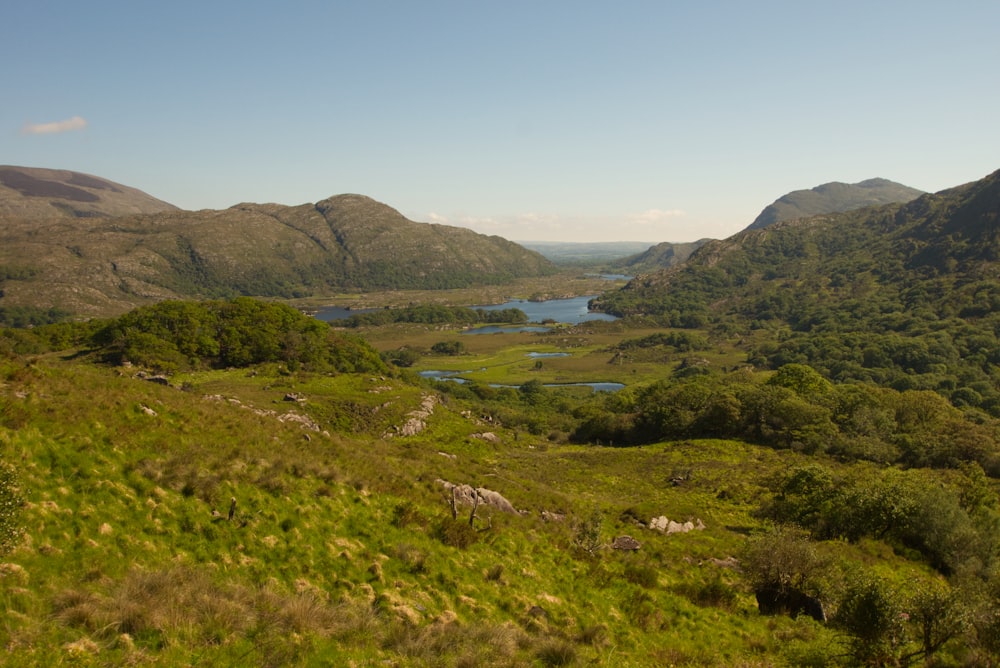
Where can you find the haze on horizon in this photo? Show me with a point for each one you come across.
(559, 121)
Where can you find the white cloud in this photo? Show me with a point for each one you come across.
(68, 125)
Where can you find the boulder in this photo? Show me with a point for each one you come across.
(625, 543)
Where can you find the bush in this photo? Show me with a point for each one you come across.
(456, 533)
(10, 509)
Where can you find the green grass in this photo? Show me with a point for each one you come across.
(343, 549)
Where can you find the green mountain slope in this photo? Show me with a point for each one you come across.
(97, 266)
(28, 192)
(905, 295)
(833, 198)
(660, 256)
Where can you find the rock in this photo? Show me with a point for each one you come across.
(728, 562)
(625, 543)
(661, 523)
(465, 495)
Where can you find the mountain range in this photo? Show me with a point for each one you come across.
(65, 242)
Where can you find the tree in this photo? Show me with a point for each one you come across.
(939, 615)
(872, 616)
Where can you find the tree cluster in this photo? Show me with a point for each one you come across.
(177, 335)
(796, 407)
(434, 314)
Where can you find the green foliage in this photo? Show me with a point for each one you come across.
(797, 408)
(30, 316)
(11, 502)
(176, 336)
(436, 314)
(904, 296)
(901, 507)
(587, 534)
(782, 559)
(402, 357)
(457, 533)
(448, 348)
(872, 615)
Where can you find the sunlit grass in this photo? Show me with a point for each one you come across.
(336, 551)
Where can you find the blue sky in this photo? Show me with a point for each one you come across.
(543, 120)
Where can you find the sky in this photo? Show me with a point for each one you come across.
(545, 120)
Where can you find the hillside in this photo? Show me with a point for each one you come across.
(282, 498)
(905, 295)
(833, 198)
(660, 256)
(101, 266)
(28, 192)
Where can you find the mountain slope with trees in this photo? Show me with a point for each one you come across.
(660, 256)
(905, 295)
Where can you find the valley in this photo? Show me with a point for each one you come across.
(793, 459)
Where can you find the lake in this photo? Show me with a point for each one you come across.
(570, 311)
(331, 313)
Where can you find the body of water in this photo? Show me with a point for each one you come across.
(506, 329)
(331, 313)
(570, 311)
(455, 377)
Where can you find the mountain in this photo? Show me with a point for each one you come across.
(832, 198)
(904, 295)
(101, 266)
(28, 192)
(660, 256)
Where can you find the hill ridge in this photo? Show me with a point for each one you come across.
(106, 265)
(834, 197)
(34, 192)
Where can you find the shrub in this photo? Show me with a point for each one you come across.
(456, 533)
(555, 652)
(641, 574)
(10, 509)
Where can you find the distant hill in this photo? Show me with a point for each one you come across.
(103, 266)
(28, 192)
(832, 198)
(660, 256)
(567, 252)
